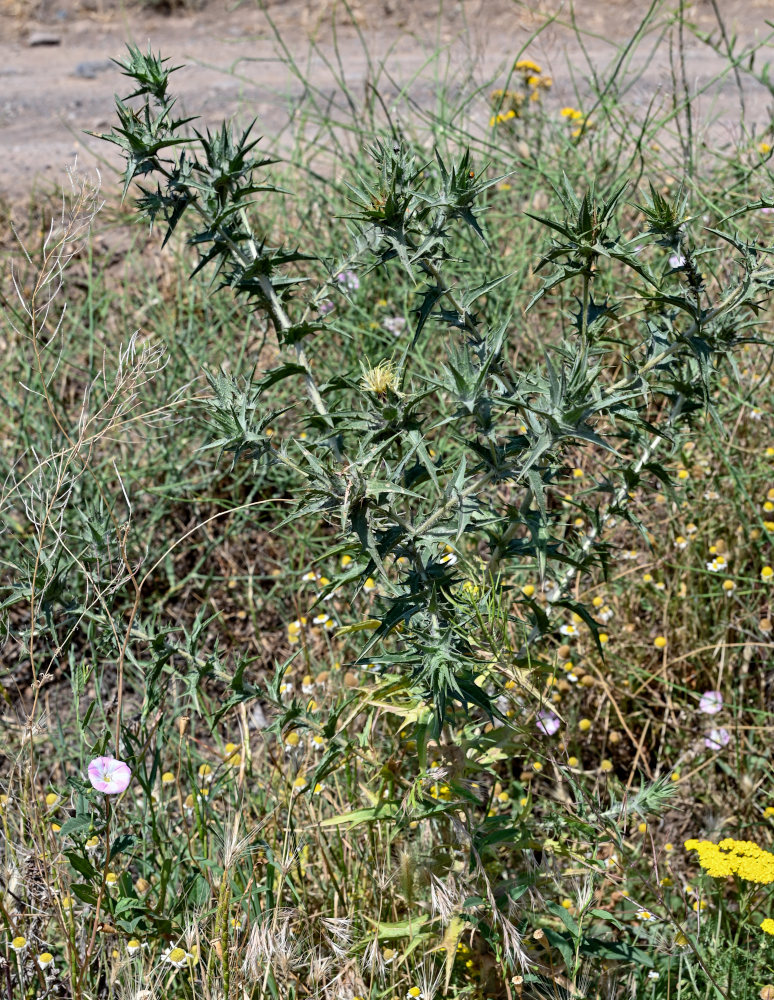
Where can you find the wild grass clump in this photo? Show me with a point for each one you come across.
(389, 616)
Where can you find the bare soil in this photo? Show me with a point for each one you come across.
(51, 94)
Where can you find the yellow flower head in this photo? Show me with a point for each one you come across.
(528, 67)
(177, 957)
(734, 857)
(381, 379)
(503, 116)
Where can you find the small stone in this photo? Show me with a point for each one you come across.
(88, 70)
(43, 38)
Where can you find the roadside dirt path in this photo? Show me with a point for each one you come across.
(50, 93)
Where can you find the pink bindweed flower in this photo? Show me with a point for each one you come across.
(677, 261)
(717, 739)
(547, 722)
(109, 775)
(711, 702)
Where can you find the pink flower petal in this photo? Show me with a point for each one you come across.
(711, 702)
(547, 722)
(716, 739)
(109, 775)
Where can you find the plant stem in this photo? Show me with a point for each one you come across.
(100, 897)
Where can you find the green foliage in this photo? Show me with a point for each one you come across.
(371, 472)
(373, 787)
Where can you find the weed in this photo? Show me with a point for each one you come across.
(430, 630)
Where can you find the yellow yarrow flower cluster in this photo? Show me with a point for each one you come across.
(734, 857)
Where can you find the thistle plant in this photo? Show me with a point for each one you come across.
(477, 495)
(620, 385)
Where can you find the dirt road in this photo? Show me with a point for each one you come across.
(57, 81)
